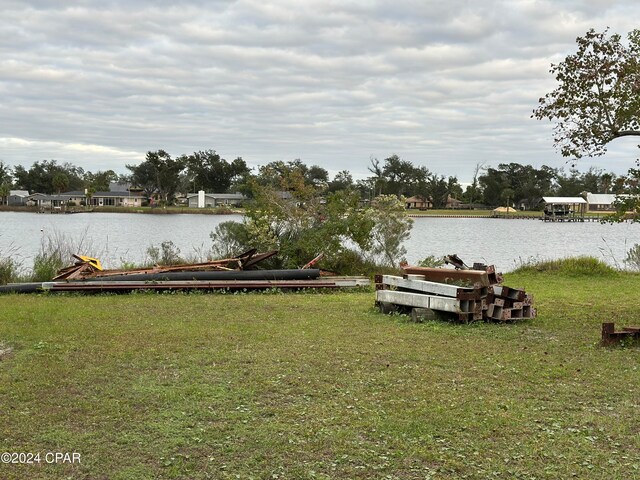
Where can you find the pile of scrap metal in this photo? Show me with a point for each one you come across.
(89, 268)
(237, 273)
(463, 294)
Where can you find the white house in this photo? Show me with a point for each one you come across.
(201, 199)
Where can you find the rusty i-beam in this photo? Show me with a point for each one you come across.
(449, 275)
(611, 337)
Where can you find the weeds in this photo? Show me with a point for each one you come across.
(575, 266)
(10, 267)
(166, 254)
(633, 257)
(56, 250)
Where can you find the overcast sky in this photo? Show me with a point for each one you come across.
(445, 84)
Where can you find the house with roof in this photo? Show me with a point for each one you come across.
(602, 202)
(17, 197)
(97, 199)
(44, 200)
(202, 199)
(417, 202)
(420, 203)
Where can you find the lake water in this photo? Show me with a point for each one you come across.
(122, 237)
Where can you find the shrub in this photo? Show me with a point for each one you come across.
(166, 254)
(230, 239)
(8, 271)
(46, 265)
(56, 251)
(9, 266)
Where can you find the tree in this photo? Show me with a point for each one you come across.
(507, 197)
(598, 99)
(628, 207)
(158, 174)
(436, 188)
(391, 227)
(5, 173)
(473, 192)
(343, 180)
(5, 190)
(401, 177)
(60, 182)
(317, 176)
(286, 175)
(300, 225)
(39, 178)
(206, 170)
(101, 180)
(378, 180)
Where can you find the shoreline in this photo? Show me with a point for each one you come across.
(137, 210)
(529, 215)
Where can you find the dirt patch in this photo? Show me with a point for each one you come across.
(5, 351)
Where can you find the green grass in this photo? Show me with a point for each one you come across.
(321, 386)
(488, 213)
(469, 213)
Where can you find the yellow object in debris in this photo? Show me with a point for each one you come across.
(94, 262)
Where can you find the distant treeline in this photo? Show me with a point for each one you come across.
(162, 177)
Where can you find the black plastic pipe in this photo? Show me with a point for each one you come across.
(307, 274)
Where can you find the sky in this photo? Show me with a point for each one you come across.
(448, 85)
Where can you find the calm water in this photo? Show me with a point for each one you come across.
(119, 237)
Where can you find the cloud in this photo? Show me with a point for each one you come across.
(443, 84)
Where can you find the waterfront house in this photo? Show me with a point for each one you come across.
(453, 202)
(44, 200)
(112, 199)
(98, 199)
(202, 199)
(417, 202)
(17, 197)
(602, 202)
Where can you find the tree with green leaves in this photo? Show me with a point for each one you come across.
(391, 227)
(100, 181)
(598, 96)
(5, 190)
(281, 174)
(159, 174)
(60, 182)
(397, 176)
(39, 177)
(5, 174)
(294, 216)
(436, 188)
(208, 171)
(300, 225)
(342, 180)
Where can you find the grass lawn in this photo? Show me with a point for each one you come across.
(468, 213)
(488, 213)
(320, 386)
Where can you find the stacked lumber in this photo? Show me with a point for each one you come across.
(462, 294)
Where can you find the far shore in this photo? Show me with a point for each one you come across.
(143, 210)
(414, 213)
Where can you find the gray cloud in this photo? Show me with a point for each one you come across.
(443, 84)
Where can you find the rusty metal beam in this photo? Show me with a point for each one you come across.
(449, 275)
(611, 337)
